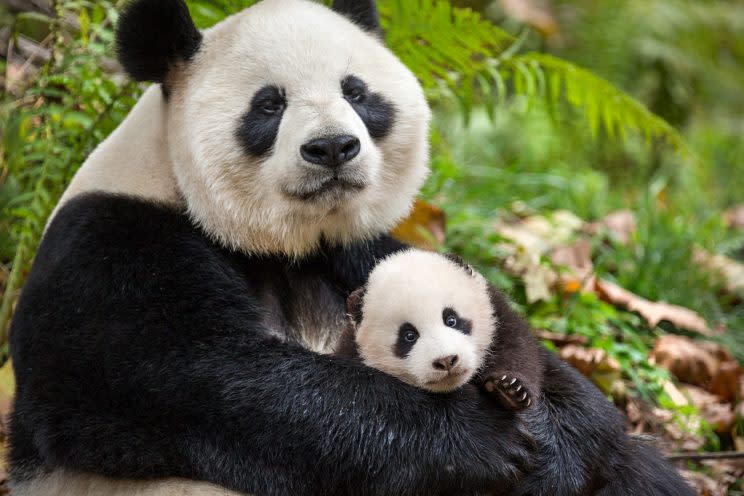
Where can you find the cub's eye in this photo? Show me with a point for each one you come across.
(410, 336)
(449, 317)
(354, 89)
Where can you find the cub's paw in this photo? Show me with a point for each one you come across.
(509, 389)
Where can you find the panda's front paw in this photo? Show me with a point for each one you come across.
(511, 391)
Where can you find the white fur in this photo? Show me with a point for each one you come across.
(133, 160)
(415, 287)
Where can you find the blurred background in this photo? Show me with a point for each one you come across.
(586, 156)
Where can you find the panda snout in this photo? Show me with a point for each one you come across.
(445, 363)
(331, 151)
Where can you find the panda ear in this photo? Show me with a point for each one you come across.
(354, 305)
(457, 260)
(362, 12)
(154, 35)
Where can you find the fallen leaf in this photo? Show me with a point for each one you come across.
(594, 363)
(532, 12)
(559, 340)
(704, 485)
(730, 271)
(424, 228)
(537, 278)
(719, 415)
(734, 217)
(725, 381)
(652, 312)
(685, 359)
(576, 258)
(620, 224)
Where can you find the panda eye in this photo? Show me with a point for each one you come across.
(354, 89)
(450, 318)
(272, 107)
(410, 336)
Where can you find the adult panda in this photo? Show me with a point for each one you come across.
(167, 339)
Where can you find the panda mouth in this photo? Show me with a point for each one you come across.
(332, 188)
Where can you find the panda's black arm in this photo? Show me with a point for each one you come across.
(138, 354)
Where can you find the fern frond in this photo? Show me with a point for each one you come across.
(457, 53)
(439, 42)
(538, 75)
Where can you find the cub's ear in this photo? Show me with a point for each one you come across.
(354, 305)
(362, 12)
(154, 35)
(457, 260)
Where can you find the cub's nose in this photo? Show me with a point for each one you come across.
(445, 363)
(332, 151)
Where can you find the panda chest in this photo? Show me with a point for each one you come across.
(305, 309)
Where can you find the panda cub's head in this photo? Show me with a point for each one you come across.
(424, 318)
(287, 123)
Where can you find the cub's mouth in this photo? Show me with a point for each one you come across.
(449, 381)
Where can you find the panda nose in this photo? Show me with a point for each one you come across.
(333, 151)
(445, 363)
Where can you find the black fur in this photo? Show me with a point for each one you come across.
(259, 126)
(377, 113)
(515, 353)
(154, 35)
(142, 350)
(403, 346)
(362, 12)
(462, 324)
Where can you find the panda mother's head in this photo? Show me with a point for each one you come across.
(287, 123)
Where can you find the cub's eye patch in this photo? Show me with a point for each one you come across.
(407, 337)
(260, 124)
(455, 321)
(377, 113)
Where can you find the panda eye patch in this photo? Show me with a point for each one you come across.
(354, 89)
(377, 113)
(259, 126)
(269, 100)
(407, 337)
(453, 320)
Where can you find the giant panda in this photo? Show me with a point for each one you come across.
(170, 337)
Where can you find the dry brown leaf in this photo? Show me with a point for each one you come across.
(620, 224)
(652, 312)
(725, 382)
(602, 370)
(719, 415)
(735, 217)
(424, 228)
(731, 271)
(559, 340)
(577, 259)
(532, 12)
(685, 359)
(704, 485)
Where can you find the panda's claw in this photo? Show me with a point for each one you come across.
(511, 392)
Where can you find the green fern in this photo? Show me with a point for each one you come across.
(458, 54)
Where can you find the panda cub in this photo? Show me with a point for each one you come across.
(435, 323)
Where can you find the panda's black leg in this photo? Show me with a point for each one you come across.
(509, 388)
